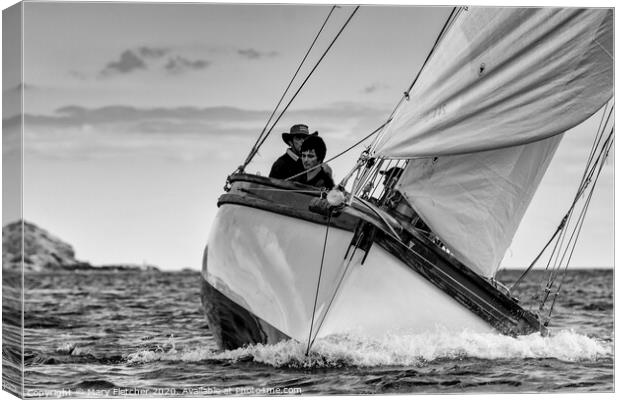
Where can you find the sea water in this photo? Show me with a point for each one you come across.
(143, 334)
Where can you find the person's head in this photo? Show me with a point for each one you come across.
(296, 136)
(313, 151)
(391, 176)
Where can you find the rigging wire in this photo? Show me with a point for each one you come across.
(560, 258)
(372, 177)
(366, 177)
(260, 143)
(453, 14)
(255, 147)
(563, 250)
(598, 137)
(528, 269)
(318, 284)
(604, 151)
(449, 21)
(585, 180)
(336, 290)
(572, 242)
(578, 228)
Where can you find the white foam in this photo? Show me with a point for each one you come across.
(66, 348)
(397, 350)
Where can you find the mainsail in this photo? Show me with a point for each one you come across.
(487, 114)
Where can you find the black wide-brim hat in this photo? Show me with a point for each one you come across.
(297, 130)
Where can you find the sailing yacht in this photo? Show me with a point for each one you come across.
(474, 135)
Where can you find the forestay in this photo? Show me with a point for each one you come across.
(501, 82)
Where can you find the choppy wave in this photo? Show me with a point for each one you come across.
(92, 343)
(394, 350)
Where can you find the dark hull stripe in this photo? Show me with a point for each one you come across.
(232, 325)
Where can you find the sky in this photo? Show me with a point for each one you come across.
(135, 113)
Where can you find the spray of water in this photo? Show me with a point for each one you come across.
(394, 350)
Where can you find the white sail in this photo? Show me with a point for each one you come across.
(486, 111)
(474, 202)
(503, 77)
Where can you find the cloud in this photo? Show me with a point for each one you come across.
(180, 64)
(253, 54)
(78, 75)
(127, 63)
(152, 58)
(183, 118)
(127, 119)
(152, 52)
(76, 132)
(374, 88)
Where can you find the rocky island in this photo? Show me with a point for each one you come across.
(44, 252)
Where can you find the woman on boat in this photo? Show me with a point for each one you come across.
(313, 152)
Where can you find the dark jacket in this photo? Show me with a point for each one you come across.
(320, 180)
(286, 166)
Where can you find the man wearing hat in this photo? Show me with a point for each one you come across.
(289, 163)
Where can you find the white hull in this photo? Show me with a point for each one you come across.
(269, 265)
